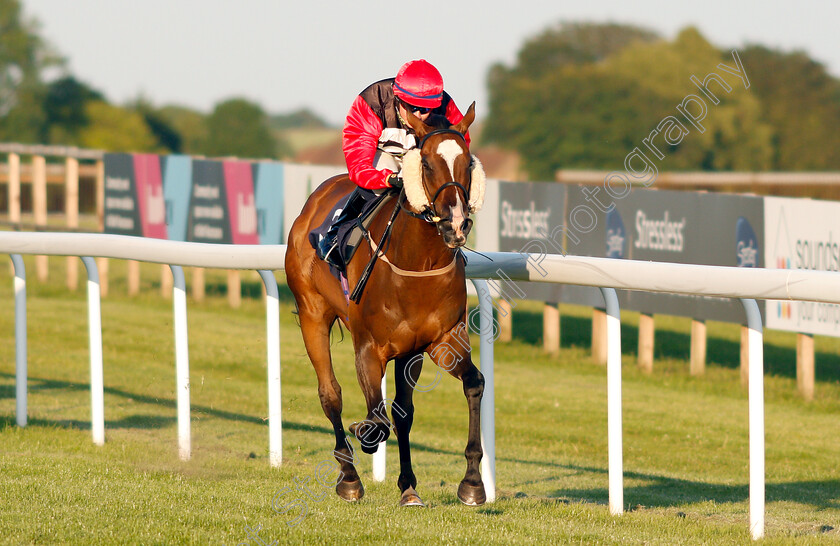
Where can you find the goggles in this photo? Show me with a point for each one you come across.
(415, 109)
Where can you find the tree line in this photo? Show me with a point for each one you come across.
(581, 96)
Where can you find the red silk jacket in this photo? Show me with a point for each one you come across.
(373, 125)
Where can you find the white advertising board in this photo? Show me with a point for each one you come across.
(299, 182)
(802, 234)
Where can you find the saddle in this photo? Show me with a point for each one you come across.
(352, 231)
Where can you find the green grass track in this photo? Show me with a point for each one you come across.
(685, 438)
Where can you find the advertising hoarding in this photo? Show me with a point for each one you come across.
(802, 234)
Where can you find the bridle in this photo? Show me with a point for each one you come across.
(429, 213)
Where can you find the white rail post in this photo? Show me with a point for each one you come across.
(756, 405)
(275, 408)
(379, 463)
(182, 362)
(488, 399)
(97, 384)
(614, 427)
(20, 341)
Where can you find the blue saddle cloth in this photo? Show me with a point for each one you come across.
(352, 231)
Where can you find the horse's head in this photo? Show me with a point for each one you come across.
(443, 181)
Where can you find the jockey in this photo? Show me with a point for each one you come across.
(376, 136)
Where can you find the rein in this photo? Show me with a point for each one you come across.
(386, 235)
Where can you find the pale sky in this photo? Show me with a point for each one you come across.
(288, 55)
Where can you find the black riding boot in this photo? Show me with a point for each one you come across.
(328, 246)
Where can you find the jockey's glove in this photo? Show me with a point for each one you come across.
(395, 181)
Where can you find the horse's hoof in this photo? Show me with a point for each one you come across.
(370, 434)
(350, 491)
(411, 498)
(369, 449)
(471, 495)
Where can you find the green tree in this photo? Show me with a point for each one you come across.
(802, 103)
(238, 127)
(601, 98)
(116, 129)
(735, 137)
(167, 136)
(24, 56)
(571, 119)
(552, 104)
(65, 102)
(576, 43)
(190, 124)
(303, 118)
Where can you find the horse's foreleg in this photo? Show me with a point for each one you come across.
(471, 489)
(452, 353)
(406, 373)
(316, 332)
(376, 428)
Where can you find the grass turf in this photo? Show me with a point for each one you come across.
(685, 438)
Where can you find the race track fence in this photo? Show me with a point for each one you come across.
(745, 284)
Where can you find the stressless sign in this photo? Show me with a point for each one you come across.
(528, 212)
(659, 234)
(666, 226)
(527, 223)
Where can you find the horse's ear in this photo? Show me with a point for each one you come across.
(420, 128)
(465, 123)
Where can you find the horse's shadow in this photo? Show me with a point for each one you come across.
(662, 491)
(138, 421)
(658, 491)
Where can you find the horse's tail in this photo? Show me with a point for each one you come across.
(296, 313)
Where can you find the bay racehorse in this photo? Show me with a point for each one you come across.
(414, 301)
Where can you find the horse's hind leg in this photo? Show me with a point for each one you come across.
(406, 372)
(452, 353)
(316, 337)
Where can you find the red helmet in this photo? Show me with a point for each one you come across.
(420, 84)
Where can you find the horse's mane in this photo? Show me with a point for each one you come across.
(438, 121)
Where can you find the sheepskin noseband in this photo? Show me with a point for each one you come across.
(412, 173)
